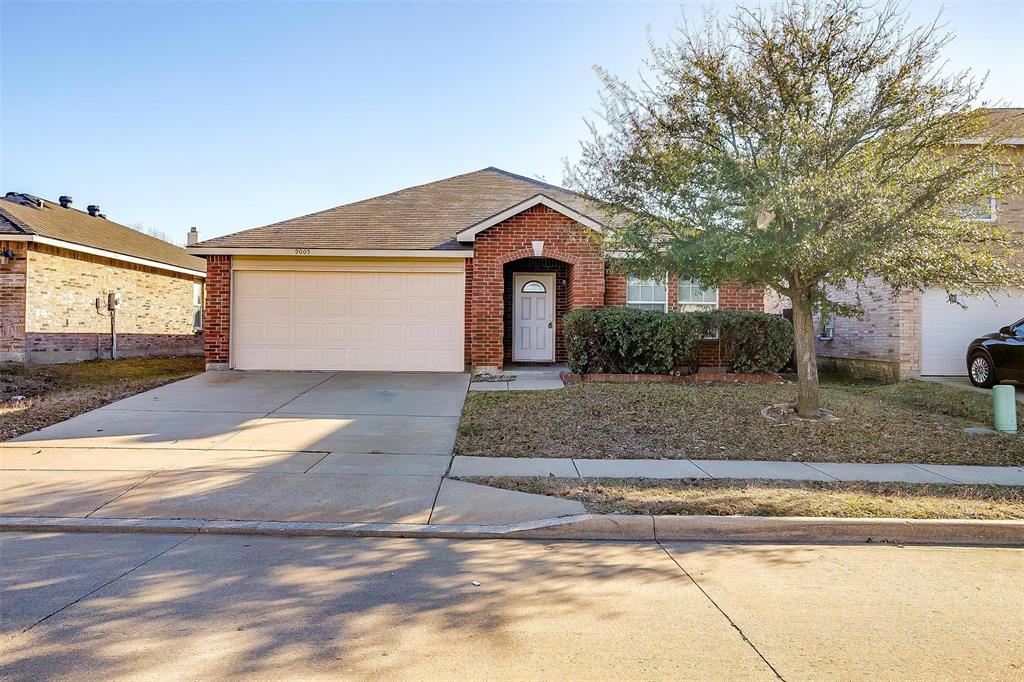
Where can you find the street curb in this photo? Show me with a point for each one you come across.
(581, 527)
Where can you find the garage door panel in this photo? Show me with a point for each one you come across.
(364, 308)
(947, 329)
(392, 336)
(276, 334)
(348, 320)
(308, 283)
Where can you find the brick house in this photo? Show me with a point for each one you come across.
(475, 270)
(922, 333)
(59, 264)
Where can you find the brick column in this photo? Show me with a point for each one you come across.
(12, 303)
(217, 312)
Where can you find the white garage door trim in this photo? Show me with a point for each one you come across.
(947, 329)
(348, 315)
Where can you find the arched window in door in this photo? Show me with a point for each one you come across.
(533, 287)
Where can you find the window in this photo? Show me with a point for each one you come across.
(647, 294)
(533, 287)
(693, 297)
(197, 306)
(984, 211)
(826, 327)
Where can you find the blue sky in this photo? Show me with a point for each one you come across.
(235, 114)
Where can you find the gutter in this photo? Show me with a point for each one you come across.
(200, 250)
(113, 255)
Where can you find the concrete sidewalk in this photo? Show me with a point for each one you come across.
(741, 469)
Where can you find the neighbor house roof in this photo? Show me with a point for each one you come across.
(24, 217)
(1006, 121)
(422, 217)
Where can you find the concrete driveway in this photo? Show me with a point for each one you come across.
(348, 446)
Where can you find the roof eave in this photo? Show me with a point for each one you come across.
(199, 250)
(469, 234)
(113, 255)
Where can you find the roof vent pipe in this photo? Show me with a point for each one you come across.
(193, 236)
(65, 201)
(93, 210)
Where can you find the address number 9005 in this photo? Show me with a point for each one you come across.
(301, 252)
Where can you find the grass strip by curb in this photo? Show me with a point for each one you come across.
(728, 497)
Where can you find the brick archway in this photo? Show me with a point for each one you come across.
(565, 241)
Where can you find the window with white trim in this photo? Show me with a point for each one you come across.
(826, 327)
(694, 297)
(647, 294)
(197, 306)
(984, 211)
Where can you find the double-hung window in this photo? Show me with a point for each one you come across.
(693, 297)
(647, 294)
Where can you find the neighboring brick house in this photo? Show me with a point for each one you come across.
(475, 270)
(922, 333)
(59, 264)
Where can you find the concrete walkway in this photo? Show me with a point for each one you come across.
(748, 469)
(523, 379)
(964, 382)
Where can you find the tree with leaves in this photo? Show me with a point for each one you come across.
(804, 148)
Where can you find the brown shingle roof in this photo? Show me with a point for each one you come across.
(421, 217)
(78, 227)
(1005, 121)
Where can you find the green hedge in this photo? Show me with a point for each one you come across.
(618, 340)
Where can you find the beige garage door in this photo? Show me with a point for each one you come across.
(391, 321)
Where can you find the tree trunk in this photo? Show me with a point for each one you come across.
(807, 401)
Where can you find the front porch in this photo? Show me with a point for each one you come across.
(525, 274)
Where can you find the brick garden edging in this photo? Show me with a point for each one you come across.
(727, 377)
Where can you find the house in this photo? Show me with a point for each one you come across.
(58, 268)
(475, 270)
(923, 333)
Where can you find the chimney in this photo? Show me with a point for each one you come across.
(65, 201)
(193, 236)
(94, 211)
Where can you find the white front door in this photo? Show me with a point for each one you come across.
(533, 317)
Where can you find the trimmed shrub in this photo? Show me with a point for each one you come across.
(619, 340)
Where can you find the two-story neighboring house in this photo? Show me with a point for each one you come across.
(923, 333)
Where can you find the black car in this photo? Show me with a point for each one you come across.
(997, 357)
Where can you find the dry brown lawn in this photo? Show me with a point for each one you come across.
(912, 421)
(54, 393)
(724, 497)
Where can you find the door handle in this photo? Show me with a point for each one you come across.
(549, 325)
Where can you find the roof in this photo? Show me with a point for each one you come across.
(26, 215)
(1007, 122)
(422, 217)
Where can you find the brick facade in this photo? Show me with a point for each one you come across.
(570, 252)
(12, 303)
(49, 304)
(217, 312)
(565, 241)
(886, 340)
